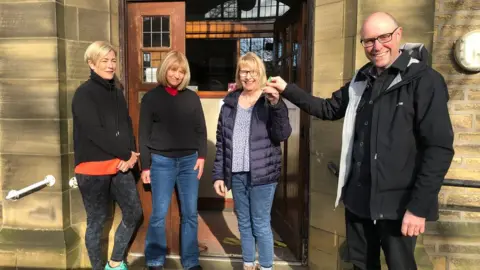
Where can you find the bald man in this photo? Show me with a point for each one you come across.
(397, 144)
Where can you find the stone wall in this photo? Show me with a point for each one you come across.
(32, 231)
(455, 239)
(41, 63)
(334, 59)
(80, 23)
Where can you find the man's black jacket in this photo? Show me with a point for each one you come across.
(411, 144)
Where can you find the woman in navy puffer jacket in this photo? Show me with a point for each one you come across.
(252, 124)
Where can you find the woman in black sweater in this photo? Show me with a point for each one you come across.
(104, 156)
(173, 144)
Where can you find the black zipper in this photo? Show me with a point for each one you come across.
(374, 212)
(116, 109)
(234, 111)
(250, 143)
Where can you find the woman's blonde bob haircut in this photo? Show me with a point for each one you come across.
(251, 61)
(97, 50)
(174, 60)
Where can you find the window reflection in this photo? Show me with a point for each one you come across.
(262, 9)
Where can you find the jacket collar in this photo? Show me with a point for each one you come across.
(107, 84)
(231, 99)
(402, 65)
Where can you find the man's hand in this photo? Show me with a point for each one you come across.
(272, 94)
(277, 83)
(146, 177)
(123, 166)
(199, 165)
(133, 159)
(412, 225)
(220, 188)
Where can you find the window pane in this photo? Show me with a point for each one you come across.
(230, 9)
(212, 63)
(147, 41)
(214, 13)
(156, 24)
(253, 13)
(273, 11)
(166, 24)
(262, 7)
(156, 40)
(244, 46)
(149, 72)
(166, 40)
(257, 46)
(147, 61)
(146, 24)
(151, 62)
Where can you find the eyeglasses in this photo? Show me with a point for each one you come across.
(369, 42)
(244, 73)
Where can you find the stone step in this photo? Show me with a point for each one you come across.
(211, 263)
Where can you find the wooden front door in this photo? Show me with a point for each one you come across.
(290, 208)
(154, 29)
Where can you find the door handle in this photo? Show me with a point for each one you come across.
(333, 168)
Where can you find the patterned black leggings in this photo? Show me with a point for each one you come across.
(97, 194)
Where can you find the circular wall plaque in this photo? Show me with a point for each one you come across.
(467, 51)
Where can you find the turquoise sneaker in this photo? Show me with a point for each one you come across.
(122, 266)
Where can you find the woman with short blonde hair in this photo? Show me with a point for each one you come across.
(173, 145)
(104, 156)
(253, 122)
(252, 61)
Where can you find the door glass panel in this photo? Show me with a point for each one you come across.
(295, 54)
(151, 62)
(147, 39)
(147, 24)
(156, 40)
(156, 31)
(157, 23)
(165, 24)
(165, 40)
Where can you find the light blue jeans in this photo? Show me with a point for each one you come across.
(165, 172)
(253, 205)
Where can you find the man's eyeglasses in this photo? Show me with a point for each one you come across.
(244, 73)
(369, 42)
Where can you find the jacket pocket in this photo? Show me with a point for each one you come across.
(396, 171)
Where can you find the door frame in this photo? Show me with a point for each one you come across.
(305, 132)
(304, 157)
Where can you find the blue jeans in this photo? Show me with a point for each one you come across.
(253, 205)
(165, 172)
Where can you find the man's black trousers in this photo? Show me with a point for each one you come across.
(365, 238)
